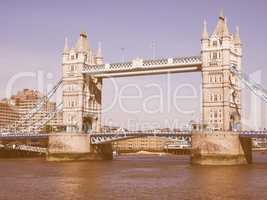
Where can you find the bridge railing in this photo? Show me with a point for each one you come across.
(140, 63)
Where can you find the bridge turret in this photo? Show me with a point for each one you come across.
(66, 51)
(81, 93)
(205, 34)
(83, 51)
(221, 91)
(237, 42)
(205, 42)
(82, 43)
(237, 37)
(99, 57)
(66, 46)
(226, 46)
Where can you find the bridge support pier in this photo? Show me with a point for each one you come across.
(73, 146)
(220, 148)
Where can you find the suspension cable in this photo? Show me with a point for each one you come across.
(256, 88)
(47, 118)
(37, 107)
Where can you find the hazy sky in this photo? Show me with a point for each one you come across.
(32, 37)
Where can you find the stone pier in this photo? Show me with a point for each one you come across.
(73, 146)
(220, 148)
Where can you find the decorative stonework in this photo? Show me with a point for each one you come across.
(221, 104)
(81, 93)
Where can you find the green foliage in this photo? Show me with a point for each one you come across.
(47, 129)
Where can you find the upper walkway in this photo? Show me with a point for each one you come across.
(145, 67)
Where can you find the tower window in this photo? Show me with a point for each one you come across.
(214, 55)
(77, 56)
(72, 68)
(214, 43)
(72, 57)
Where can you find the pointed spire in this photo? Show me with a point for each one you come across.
(221, 14)
(205, 34)
(221, 29)
(66, 47)
(82, 43)
(237, 36)
(99, 50)
(237, 31)
(225, 29)
(98, 57)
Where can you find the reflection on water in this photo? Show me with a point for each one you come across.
(132, 177)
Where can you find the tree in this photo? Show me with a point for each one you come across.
(47, 129)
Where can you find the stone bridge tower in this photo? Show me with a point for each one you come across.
(221, 89)
(81, 93)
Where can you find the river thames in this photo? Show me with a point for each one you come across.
(131, 177)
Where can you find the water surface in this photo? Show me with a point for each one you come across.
(131, 177)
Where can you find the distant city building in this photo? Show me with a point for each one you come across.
(8, 114)
(259, 143)
(20, 104)
(151, 143)
(108, 129)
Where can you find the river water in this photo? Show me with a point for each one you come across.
(131, 177)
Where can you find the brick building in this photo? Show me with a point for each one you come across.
(8, 114)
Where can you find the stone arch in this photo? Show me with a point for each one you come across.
(87, 124)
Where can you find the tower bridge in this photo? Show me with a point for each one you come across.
(84, 71)
(219, 65)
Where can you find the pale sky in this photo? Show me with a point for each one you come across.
(32, 37)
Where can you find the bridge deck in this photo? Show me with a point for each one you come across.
(144, 67)
(102, 137)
